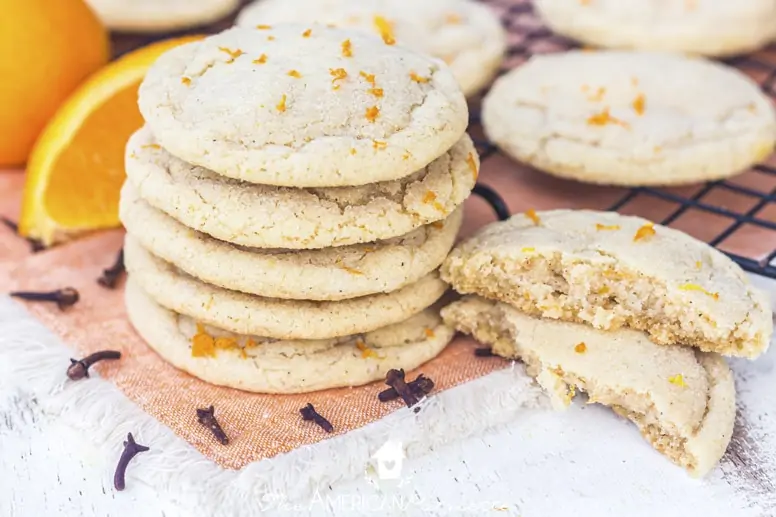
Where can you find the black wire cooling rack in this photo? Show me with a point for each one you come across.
(752, 217)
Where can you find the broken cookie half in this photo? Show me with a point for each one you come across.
(682, 399)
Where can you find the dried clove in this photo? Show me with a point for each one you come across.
(309, 413)
(110, 277)
(35, 244)
(421, 386)
(131, 449)
(484, 352)
(395, 379)
(79, 369)
(207, 417)
(64, 297)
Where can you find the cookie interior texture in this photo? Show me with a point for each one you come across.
(466, 34)
(266, 365)
(590, 267)
(282, 319)
(682, 400)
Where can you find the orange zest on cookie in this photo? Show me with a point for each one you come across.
(376, 144)
(306, 34)
(151, 146)
(385, 28)
(264, 27)
(531, 214)
(528, 250)
(233, 54)
(186, 80)
(347, 48)
(639, 104)
(377, 92)
(603, 118)
(338, 74)
(351, 270)
(202, 343)
(606, 227)
(695, 287)
(260, 60)
(418, 79)
(282, 104)
(581, 348)
(352, 151)
(294, 73)
(366, 352)
(370, 78)
(429, 333)
(372, 113)
(678, 380)
(453, 18)
(645, 232)
(472, 165)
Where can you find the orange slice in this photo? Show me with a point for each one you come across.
(76, 168)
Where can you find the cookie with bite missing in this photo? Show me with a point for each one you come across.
(265, 365)
(465, 34)
(630, 118)
(303, 105)
(613, 271)
(682, 400)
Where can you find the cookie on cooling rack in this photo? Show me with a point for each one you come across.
(682, 400)
(271, 317)
(160, 15)
(466, 34)
(264, 365)
(706, 27)
(611, 271)
(303, 106)
(630, 118)
(326, 274)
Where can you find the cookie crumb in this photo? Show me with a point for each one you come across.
(295, 74)
(531, 214)
(418, 79)
(306, 34)
(645, 232)
(678, 380)
(385, 29)
(639, 104)
(372, 113)
(347, 48)
(695, 287)
(604, 227)
(581, 348)
(282, 104)
(260, 60)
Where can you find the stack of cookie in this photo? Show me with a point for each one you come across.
(288, 204)
(635, 315)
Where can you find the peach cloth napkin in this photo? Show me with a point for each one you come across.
(262, 426)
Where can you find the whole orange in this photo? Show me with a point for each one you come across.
(47, 48)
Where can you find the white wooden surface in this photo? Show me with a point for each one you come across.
(581, 462)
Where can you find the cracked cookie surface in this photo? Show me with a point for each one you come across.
(682, 400)
(610, 271)
(707, 27)
(264, 216)
(465, 34)
(325, 274)
(265, 365)
(272, 317)
(303, 106)
(159, 15)
(630, 118)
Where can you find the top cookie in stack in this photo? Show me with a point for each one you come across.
(288, 203)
